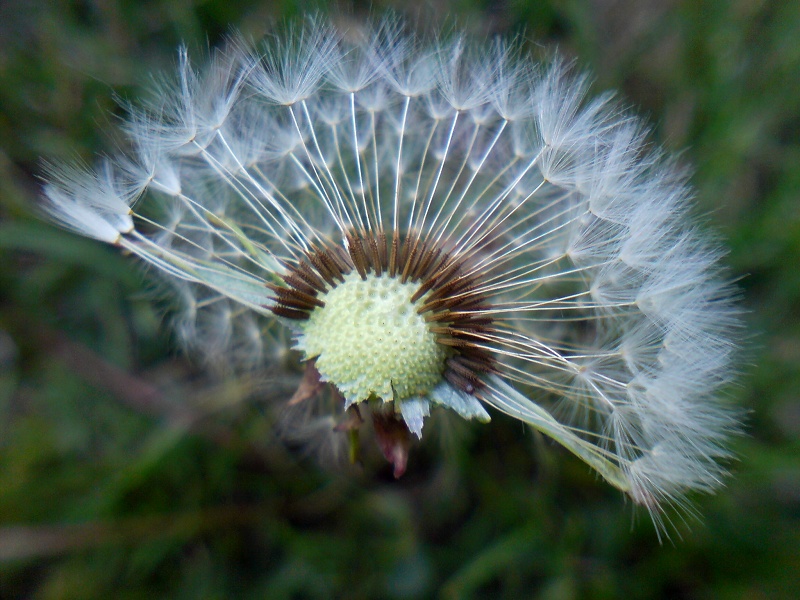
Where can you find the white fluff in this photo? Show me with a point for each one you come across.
(614, 327)
(94, 204)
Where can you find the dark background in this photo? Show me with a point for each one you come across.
(127, 471)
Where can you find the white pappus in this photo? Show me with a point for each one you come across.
(439, 225)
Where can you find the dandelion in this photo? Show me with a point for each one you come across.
(430, 225)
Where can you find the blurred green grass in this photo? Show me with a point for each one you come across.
(126, 471)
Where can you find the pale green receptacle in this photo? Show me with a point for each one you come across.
(369, 340)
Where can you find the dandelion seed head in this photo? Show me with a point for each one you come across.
(432, 225)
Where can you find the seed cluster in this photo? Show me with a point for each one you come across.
(447, 297)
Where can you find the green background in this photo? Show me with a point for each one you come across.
(128, 471)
